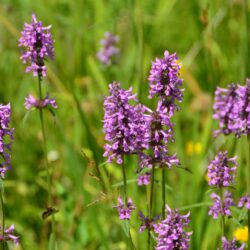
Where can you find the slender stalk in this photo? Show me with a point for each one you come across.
(151, 202)
(3, 218)
(49, 175)
(248, 187)
(124, 181)
(126, 200)
(222, 216)
(163, 192)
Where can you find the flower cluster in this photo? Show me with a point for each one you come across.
(9, 236)
(221, 206)
(232, 109)
(171, 231)
(124, 124)
(144, 179)
(220, 171)
(109, 49)
(38, 45)
(148, 223)
(231, 245)
(165, 83)
(244, 201)
(125, 210)
(161, 132)
(31, 102)
(6, 138)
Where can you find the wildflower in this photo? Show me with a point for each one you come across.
(232, 109)
(193, 148)
(161, 132)
(231, 244)
(9, 236)
(244, 201)
(30, 102)
(171, 232)
(6, 138)
(221, 206)
(241, 234)
(147, 223)
(197, 148)
(124, 125)
(109, 49)
(125, 210)
(144, 179)
(244, 105)
(38, 46)
(221, 170)
(165, 83)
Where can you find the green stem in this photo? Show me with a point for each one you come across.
(124, 181)
(151, 201)
(222, 216)
(163, 192)
(3, 218)
(49, 175)
(126, 200)
(248, 186)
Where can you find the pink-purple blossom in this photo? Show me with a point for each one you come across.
(222, 170)
(6, 138)
(147, 223)
(32, 102)
(9, 235)
(144, 179)
(244, 201)
(221, 207)
(37, 44)
(109, 50)
(231, 244)
(171, 232)
(232, 109)
(125, 210)
(165, 83)
(124, 124)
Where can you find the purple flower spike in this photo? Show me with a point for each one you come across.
(220, 173)
(147, 223)
(219, 206)
(38, 46)
(232, 109)
(6, 138)
(231, 244)
(125, 210)
(165, 83)
(244, 201)
(161, 132)
(9, 236)
(124, 125)
(109, 49)
(31, 102)
(144, 179)
(171, 231)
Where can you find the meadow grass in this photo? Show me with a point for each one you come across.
(212, 41)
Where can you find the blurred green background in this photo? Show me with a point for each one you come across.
(211, 40)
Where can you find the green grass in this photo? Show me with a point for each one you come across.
(212, 42)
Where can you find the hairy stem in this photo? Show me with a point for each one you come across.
(3, 218)
(222, 216)
(163, 192)
(49, 175)
(151, 202)
(248, 186)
